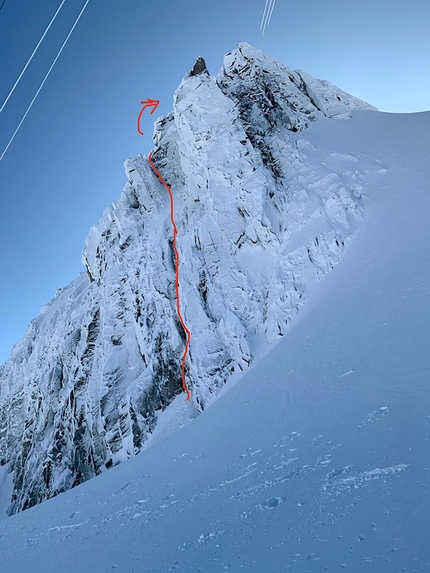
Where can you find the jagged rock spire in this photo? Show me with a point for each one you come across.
(199, 67)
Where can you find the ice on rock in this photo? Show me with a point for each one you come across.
(257, 223)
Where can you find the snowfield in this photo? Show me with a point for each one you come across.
(317, 458)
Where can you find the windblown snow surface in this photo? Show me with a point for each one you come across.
(317, 459)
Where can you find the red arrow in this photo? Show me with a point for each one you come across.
(148, 103)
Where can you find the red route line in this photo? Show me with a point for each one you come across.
(178, 307)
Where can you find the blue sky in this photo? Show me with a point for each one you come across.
(66, 163)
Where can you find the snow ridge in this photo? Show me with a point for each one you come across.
(258, 222)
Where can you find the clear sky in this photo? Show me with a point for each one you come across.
(66, 163)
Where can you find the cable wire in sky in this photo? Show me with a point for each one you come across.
(264, 15)
(31, 57)
(267, 15)
(271, 12)
(44, 80)
(3, 3)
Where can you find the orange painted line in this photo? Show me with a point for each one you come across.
(147, 103)
(178, 306)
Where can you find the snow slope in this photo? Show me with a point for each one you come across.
(318, 458)
(259, 219)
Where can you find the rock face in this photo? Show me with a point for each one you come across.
(199, 67)
(257, 223)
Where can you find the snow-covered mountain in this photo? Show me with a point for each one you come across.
(317, 460)
(260, 220)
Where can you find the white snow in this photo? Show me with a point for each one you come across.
(317, 459)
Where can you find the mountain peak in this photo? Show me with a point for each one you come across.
(257, 221)
(297, 97)
(199, 67)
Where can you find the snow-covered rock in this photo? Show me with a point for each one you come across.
(258, 221)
